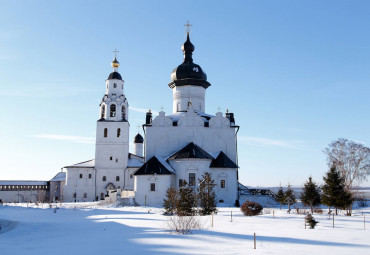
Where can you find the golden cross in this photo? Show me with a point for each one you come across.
(115, 52)
(188, 27)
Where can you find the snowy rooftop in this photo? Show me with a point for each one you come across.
(61, 176)
(23, 183)
(88, 164)
(134, 162)
(176, 116)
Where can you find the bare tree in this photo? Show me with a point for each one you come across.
(351, 159)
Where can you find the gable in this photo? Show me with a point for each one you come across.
(222, 161)
(191, 151)
(153, 166)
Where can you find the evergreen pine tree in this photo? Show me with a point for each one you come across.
(280, 196)
(186, 202)
(170, 203)
(310, 195)
(289, 194)
(334, 192)
(206, 195)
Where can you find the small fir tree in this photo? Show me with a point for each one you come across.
(310, 220)
(311, 194)
(187, 201)
(334, 191)
(171, 200)
(206, 195)
(280, 196)
(289, 194)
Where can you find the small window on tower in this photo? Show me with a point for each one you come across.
(152, 187)
(105, 132)
(110, 158)
(113, 110)
(89, 176)
(115, 85)
(223, 184)
(118, 132)
(104, 178)
(80, 176)
(117, 178)
(85, 195)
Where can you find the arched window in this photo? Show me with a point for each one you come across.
(118, 132)
(104, 178)
(105, 132)
(113, 110)
(103, 111)
(123, 112)
(114, 85)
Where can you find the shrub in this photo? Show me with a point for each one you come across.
(183, 224)
(311, 221)
(318, 210)
(250, 208)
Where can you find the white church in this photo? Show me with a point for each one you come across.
(176, 147)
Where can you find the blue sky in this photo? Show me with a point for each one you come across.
(295, 73)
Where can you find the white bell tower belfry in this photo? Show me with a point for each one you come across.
(112, 134)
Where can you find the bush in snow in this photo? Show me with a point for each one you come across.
(183, 224)
(311, 221)
(250, 208)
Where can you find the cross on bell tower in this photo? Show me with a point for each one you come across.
(187, 28)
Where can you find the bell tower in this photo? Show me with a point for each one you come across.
(112, 135)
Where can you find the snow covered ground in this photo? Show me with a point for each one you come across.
(92, 229)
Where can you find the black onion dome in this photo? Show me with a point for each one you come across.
(138, 139)
(115, 75)
(188, 73)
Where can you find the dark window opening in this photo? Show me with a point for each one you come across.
(206, 124)
(223, 184)
(105, 132)
(152, 187)
(117, 178)
(101, 196)
(113, 110)
(123, 112)
(174, 123)
(191, 179)
(80, 176)
(118, 132)
(131, 176)
(74, 195)
(89, 176)
(116, 160)
(104, 178)
(102, 111)
(221, 201)
(110, 158)
(114, 85)
(181, 183)
(85, 195)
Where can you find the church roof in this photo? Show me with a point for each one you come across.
(188, 73)
(191, 151)
(61, 176)
(85, 164)
(138, 139)
(153, 166)
(115, 75)
(222, 161)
